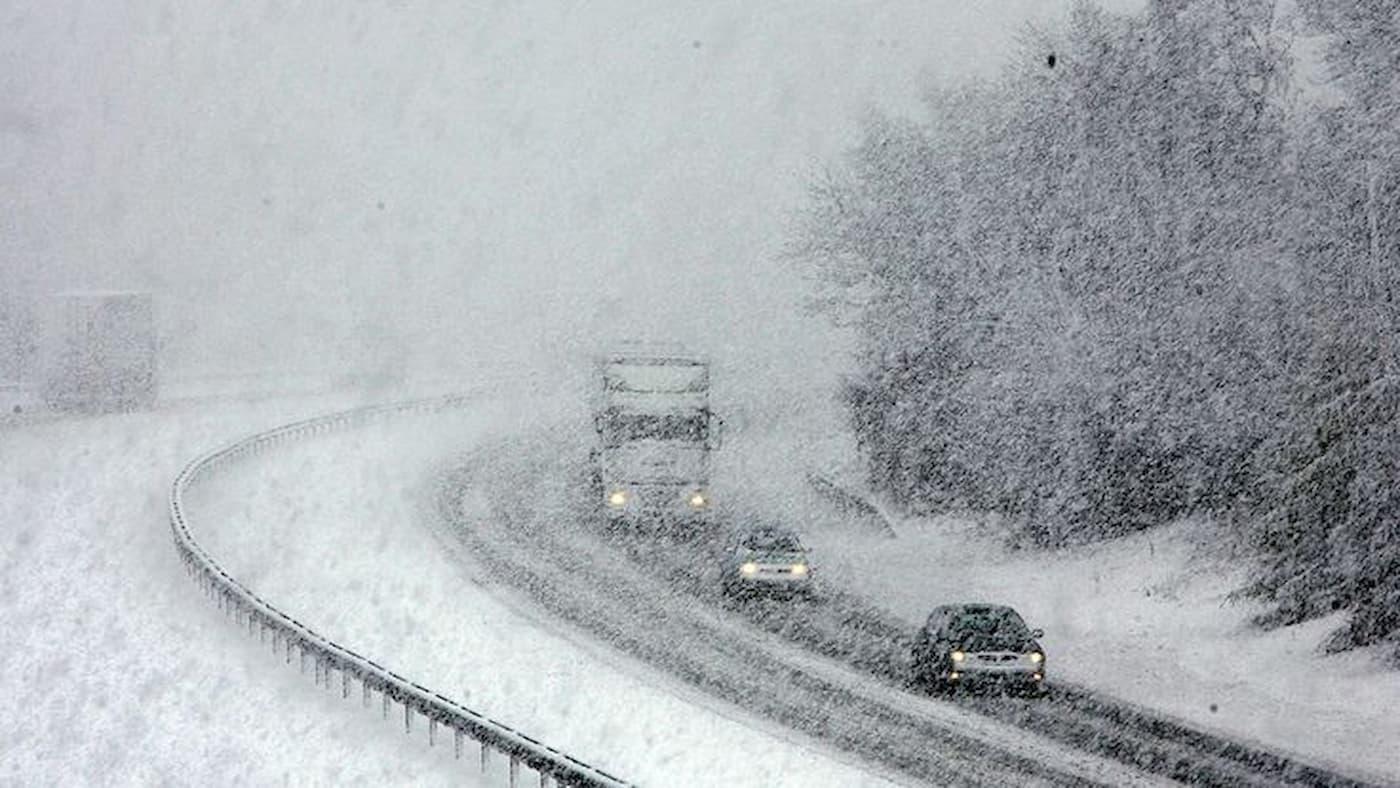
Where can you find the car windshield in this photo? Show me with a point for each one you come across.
(989, 627)
(772, 542)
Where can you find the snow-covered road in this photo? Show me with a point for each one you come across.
(331, 530)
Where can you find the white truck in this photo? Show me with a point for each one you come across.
(98, 351)
(656, 433)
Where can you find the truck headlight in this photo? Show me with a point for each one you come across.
(617, 498)
(1036, 657)
(799, 569)
(749, 568)
(957, 656)
(697, 500)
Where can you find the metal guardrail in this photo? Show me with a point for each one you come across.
(262, 619)
(848, 500)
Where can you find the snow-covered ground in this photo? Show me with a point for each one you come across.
(126, 674)
(118, 672)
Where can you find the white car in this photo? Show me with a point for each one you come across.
(765, 559)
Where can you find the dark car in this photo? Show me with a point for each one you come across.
(978, 644)
(765, 558)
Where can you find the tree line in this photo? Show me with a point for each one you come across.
(1141, 276)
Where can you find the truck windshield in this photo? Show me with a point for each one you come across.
(623, 427)
(656, 378)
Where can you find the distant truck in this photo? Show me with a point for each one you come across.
(97, 351)
(656, 433)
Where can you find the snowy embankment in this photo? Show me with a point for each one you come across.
(1145, 619)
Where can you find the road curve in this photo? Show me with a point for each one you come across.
(841, 674)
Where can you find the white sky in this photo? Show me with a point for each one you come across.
(549, 178)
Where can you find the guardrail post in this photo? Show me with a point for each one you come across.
(432, 731)
(384, 693)
(301, 649)
(544, 780)
(457, 743)
(514, 771)
(364, 686)
(407, 715)
(483, 757)
(344, 683)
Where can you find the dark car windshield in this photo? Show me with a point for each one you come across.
(772, 542)
(988, 627)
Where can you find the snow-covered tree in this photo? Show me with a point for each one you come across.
(1330, 534)
(1055, 275)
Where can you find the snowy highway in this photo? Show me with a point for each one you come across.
(343, 546)
(657, 598)
(528, 539)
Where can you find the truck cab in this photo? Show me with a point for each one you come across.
(655, 434)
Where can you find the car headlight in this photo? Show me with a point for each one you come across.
(697, 500)
(799, 569)
(617, 498)
(957, 656)
(749, 568)
(1036, 657)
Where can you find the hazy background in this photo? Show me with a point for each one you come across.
(453, 185)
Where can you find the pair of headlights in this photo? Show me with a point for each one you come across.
(618, 498)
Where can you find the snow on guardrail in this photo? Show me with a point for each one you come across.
(849, 500)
